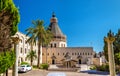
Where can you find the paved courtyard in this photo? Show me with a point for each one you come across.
(44, 73)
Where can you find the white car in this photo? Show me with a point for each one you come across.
(24, 68)
(56, 74)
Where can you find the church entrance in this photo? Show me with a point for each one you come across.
(53, 61)
(79, 61)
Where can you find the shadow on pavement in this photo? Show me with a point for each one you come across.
(95, 72)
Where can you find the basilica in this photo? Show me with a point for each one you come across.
(57, 52)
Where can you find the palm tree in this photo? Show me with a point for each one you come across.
(39, 33)
(31, 56)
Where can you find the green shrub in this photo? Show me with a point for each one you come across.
(44, 66)
(7, 59)
(104, 67)
(24, 63)
(93, 68)
(117, 69)
(35, 66)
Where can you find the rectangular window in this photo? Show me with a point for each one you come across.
(21, 50)
(55, 45)
(25, 51)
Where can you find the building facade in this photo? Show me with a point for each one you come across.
(57, 52)
(24, 48)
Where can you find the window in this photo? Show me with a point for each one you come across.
(75, 53)
(53, 53)
(72, 53)
(25, 50)
(88, 53)
(21, 40)
(58, 53)
(63, 53)
(51, 46)
(91, 53)
(21, 50)
(26, 59)
(78, 53)
(83, 53)
(42, 53)
(48, 54)
(54, 45)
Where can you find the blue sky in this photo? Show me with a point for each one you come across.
(84, 22)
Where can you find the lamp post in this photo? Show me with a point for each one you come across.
(15, 66)
(110, 39)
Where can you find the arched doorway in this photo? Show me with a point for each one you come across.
(79, 61)
(53, 61)
(53, 58)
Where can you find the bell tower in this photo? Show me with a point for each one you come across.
(59, 39)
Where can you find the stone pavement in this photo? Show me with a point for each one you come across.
(37, 72)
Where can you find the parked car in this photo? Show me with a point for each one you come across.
(56, 74)
(24, 68)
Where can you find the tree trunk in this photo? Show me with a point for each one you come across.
(6, 72)
(41, 54)
(38, 63)
(31, 61)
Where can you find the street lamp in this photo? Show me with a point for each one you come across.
(110, 39)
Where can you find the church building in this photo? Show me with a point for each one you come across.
(57, 52)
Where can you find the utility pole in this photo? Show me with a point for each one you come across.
(110, 39)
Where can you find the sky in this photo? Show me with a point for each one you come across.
(84, 22)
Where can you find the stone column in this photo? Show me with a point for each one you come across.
(110, 39)
(15, 66)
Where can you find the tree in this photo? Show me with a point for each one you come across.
(31, 56)
(39, 33)
(6, 60)
(9, 18)
(116, 47)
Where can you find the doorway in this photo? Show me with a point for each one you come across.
(53, 61)
(79, 61)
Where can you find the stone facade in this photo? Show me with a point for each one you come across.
(24, 48)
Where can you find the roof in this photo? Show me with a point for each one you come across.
(55, 29)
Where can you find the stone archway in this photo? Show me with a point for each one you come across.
(53, 59)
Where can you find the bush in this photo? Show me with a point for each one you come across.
(93, 68)
(24, 63)
(104, 67)
(7, 59)
(117, 69)
(44, 66)
(35, 66)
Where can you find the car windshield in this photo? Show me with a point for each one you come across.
(22, 66)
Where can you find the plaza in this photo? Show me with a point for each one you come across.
(37, 72)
